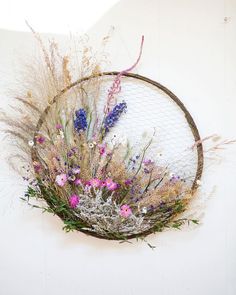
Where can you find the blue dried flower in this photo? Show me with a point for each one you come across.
(80, 122)
(114, 115)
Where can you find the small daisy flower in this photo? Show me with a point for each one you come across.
(171, 174)
(144, 210)
(125, 211)
(61, 179)
(31, 143)
(74, 201)
(91, 145)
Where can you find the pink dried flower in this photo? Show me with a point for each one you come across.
(78, 181)
(40, 139)
(95, 182)
(111, 185)
(148, 162)
(108, 181)
(58, 126)
(87, 183)
(103, 183)
(74, 200)
(37, 167)
(102, 149)
(125, 211)
(61, 179)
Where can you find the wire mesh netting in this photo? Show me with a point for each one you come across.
(152, 111)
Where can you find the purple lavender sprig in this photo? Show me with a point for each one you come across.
(114, 115)
(80, 121)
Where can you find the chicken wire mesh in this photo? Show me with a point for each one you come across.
(154, 110)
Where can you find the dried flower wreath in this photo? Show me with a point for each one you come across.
(97, 182)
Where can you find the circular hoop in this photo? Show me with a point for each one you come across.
(170, 94)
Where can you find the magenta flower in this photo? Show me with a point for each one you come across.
(128, 182)
(78, 181)
(61, 179)
(74, 200)
(40, 139)
(125, 211)
(102, 149)
(103, 183)
(95, 182)
(87, 183)
(111, 185)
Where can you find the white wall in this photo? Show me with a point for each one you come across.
(52, 16)
(190, 48)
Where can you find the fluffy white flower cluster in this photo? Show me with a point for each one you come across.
(103, 215)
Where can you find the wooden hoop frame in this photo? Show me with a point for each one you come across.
(188, 117)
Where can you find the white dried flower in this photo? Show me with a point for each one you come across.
(31, 143)
(61, 134)
(91, 145)
(199, 182)
(144, 210)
